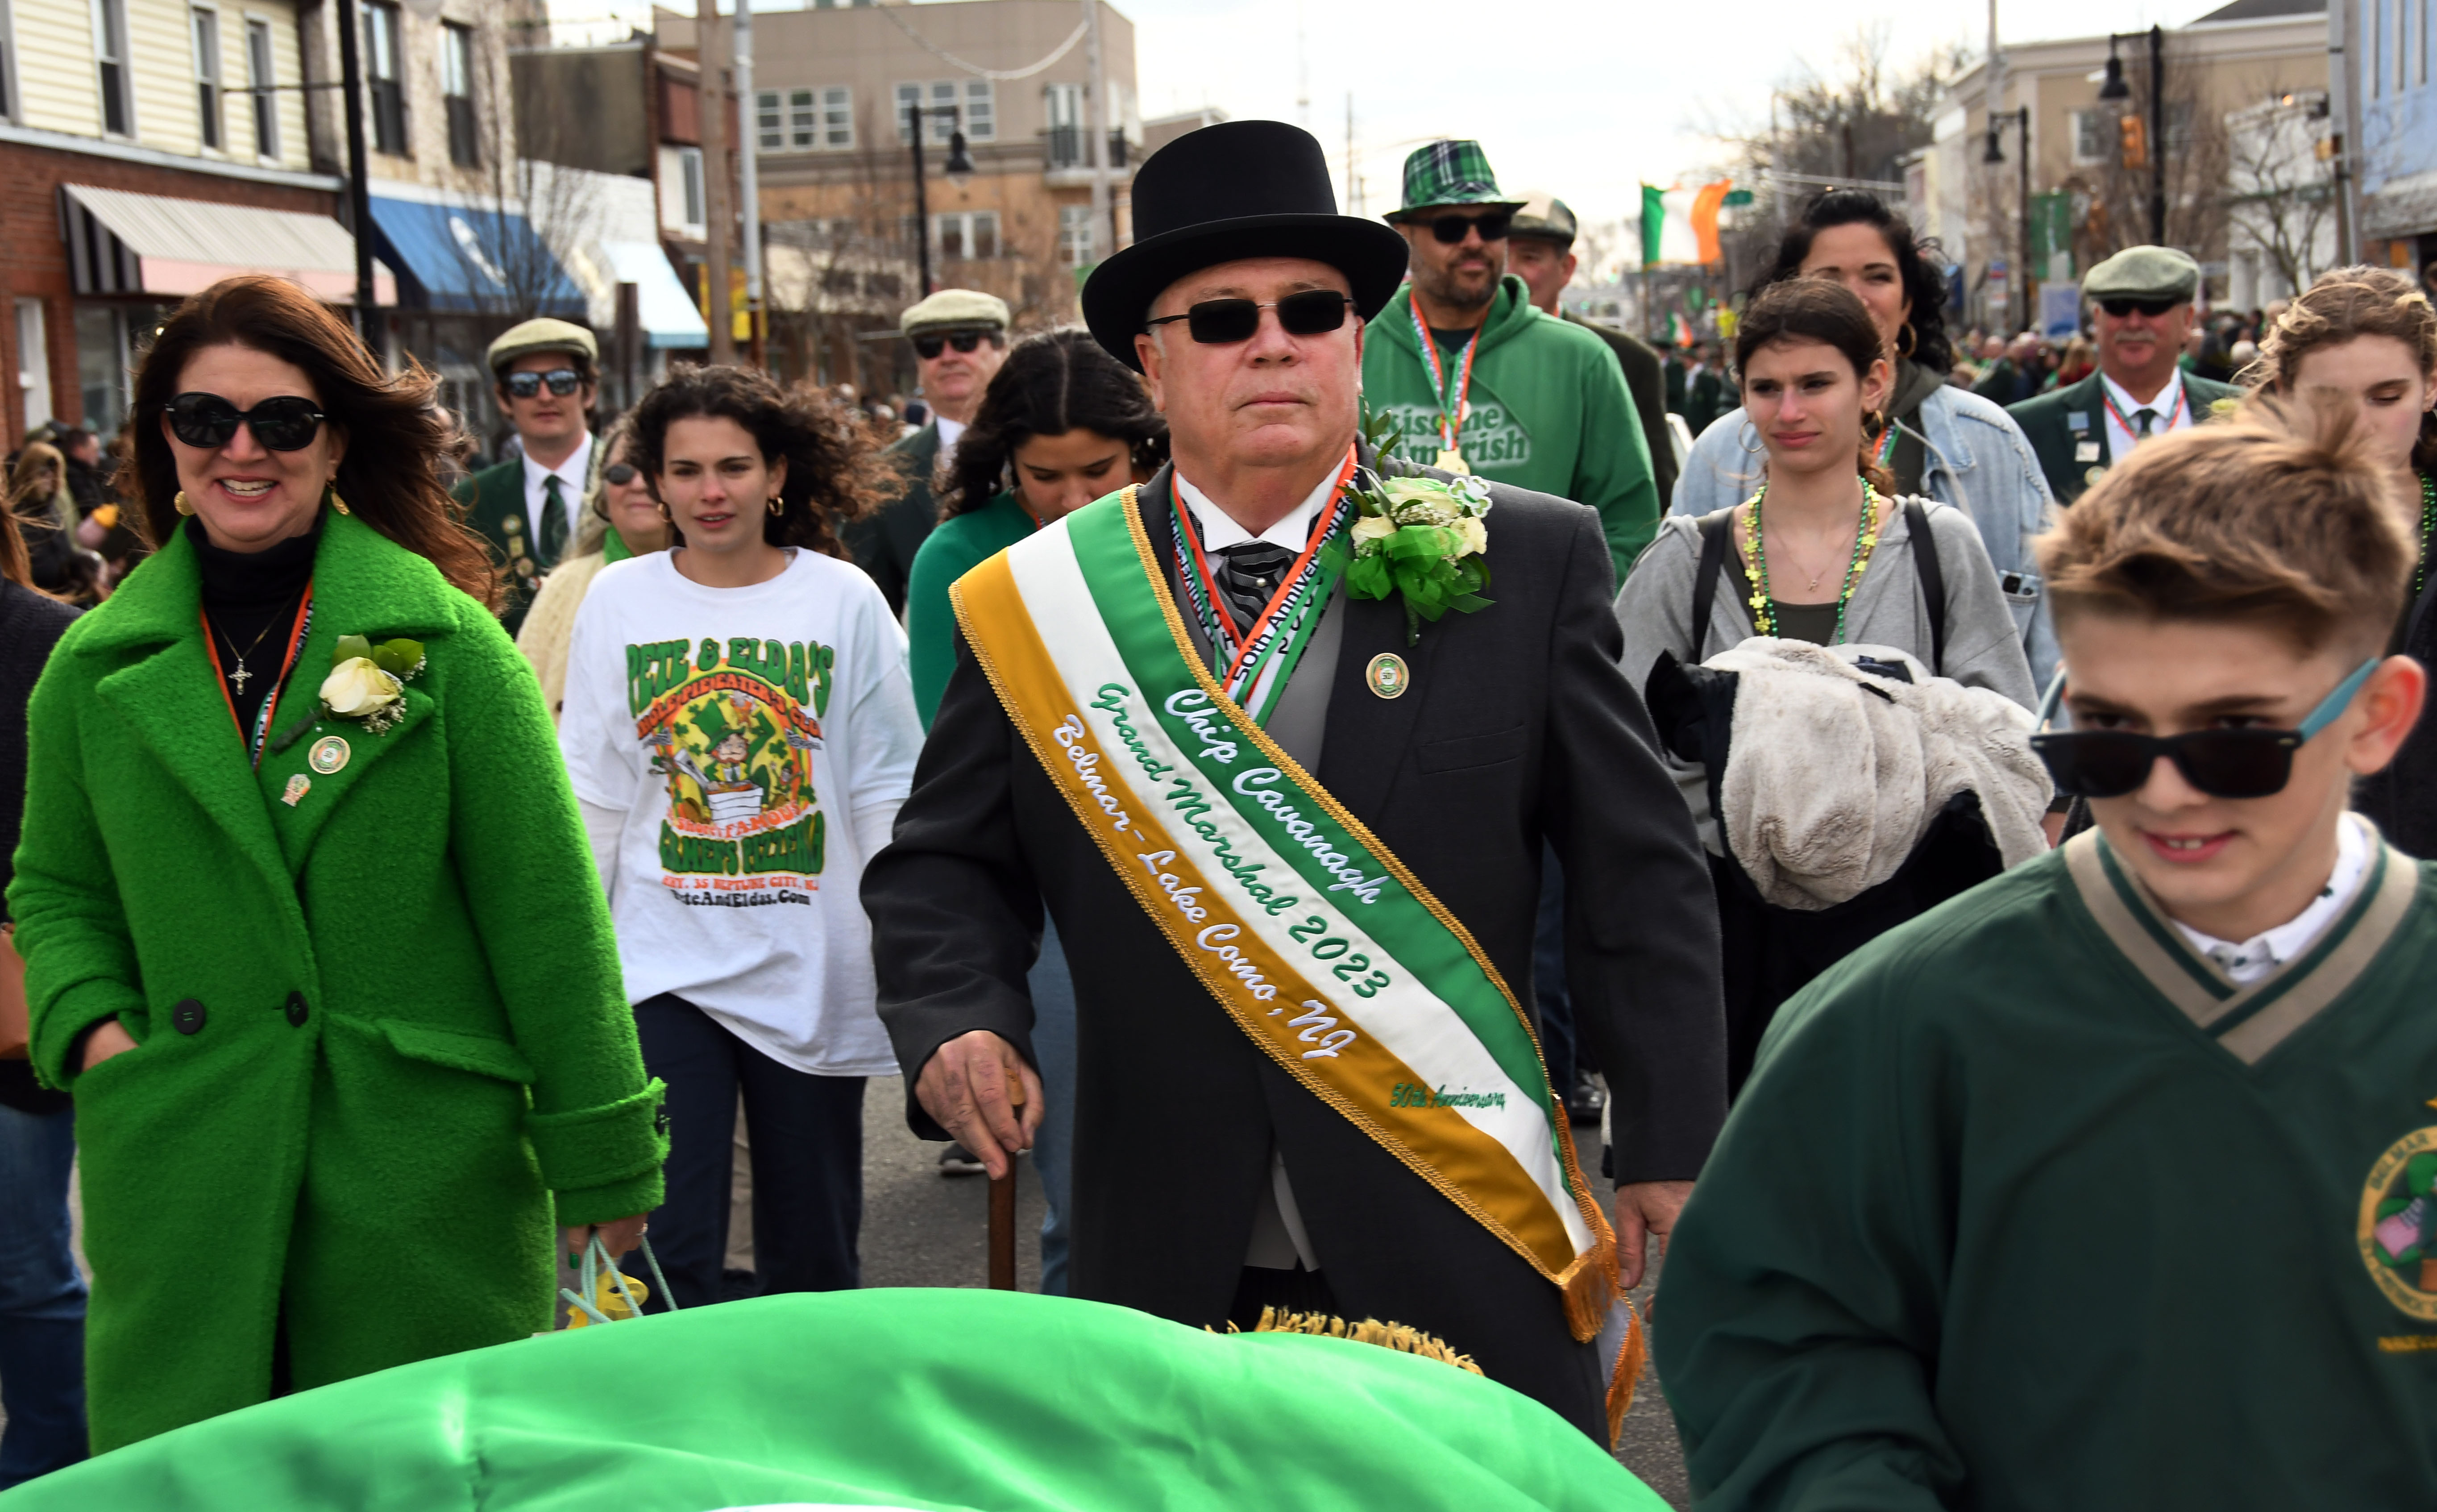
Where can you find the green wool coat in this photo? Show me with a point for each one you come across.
(379, 1027)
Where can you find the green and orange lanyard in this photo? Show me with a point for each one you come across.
(304, 627)
(1451, 415)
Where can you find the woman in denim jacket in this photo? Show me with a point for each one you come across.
(1941, 442)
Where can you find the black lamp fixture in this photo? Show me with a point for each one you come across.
(961, 163)
(2115, 89)
(1996, 149)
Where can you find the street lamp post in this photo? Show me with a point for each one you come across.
(2021, 120)
(360, 205)
(959, 165)
(2117, 92)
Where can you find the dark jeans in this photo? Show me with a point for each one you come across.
(1053, 1146)
(42, 1299)
(1557, 1004)
(807, 1137)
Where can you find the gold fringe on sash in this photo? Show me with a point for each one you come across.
(1403, 1338)
(1627, 1375)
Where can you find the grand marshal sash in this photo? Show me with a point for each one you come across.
(1316, 939)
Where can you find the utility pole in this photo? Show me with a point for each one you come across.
(1996, 82)
(749, 188)
(921, 200)
(1096, 122)
(715, 212)
(2157, 135)
(2344, 99)
(359, 199)
(1350, 195)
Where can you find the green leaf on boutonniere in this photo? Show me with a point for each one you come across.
(349, 647)
(401, 658)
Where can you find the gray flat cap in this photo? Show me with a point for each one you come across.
(2144, 273)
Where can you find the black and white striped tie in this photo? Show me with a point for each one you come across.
(1249, 575)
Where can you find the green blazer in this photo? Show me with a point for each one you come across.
(494, 501)
(2062, 423)
(884, 543)
(381, 1028)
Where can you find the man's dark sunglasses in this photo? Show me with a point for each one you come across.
(1225, 321)
(2151, 307)
(562, 380)
(1493, 224)
(2221, 763)
(286, 423)
(927, 347)
(620, 473)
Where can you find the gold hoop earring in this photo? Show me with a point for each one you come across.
(183, 506)
(1906, 340)
(1755, 430)
(777, 504)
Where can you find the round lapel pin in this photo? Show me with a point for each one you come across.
(1387, 674)
(328, 754)
(2091, 478)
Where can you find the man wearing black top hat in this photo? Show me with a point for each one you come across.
(1452, 755)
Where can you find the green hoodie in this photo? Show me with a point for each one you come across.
(1550, 411)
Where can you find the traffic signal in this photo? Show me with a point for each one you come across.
(2136, 141)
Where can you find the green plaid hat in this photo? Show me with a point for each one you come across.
(1447, 173)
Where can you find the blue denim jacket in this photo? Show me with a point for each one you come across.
(1978, 461)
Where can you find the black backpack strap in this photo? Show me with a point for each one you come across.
(1717, 534)
(1932, 581)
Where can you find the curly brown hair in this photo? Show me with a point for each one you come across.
(835, 472)
(396, 434)
(2345, 304)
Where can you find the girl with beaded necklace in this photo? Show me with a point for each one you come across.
(2368, 338)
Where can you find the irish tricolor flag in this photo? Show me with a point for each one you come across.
(1681, 225)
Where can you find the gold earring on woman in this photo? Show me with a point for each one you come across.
(336, 502)
(776, 503)
(180, 500)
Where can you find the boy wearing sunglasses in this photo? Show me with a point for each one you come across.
(2114, 1183)
(2141, 308)
(545, 377)
(1481, 381)
(959, 341)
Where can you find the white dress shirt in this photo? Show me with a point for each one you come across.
(572, 474)
(950, 432)
(2173, 406)
(2256, 957)
(1219, 530)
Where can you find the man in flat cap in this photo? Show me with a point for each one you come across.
(547, 377)
(960, 338)
(1483, 383)
(1282, 782)
(2141, 304)
(1540, 251)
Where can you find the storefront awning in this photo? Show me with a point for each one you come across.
(670, 319)
(467, 259)
(123, 244)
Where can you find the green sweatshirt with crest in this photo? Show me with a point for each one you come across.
(1548, 412)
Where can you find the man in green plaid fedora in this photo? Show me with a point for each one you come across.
(1481, 380)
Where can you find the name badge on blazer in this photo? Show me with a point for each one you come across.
(2078, 420)
(2086, 451)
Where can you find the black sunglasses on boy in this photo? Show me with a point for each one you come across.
(286, 422)
(562, 381)
(2221, 763)
(1225, 321)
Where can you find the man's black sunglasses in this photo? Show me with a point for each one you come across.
(562, 380)
(2221, 763)
(1225, 321)
(927, 347)
(2151, 307)
(286, 423)
(1493, 224)
(620, 473)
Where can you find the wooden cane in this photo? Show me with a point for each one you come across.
(1002, 1205)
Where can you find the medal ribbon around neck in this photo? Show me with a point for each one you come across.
(2133, 430)
(1258, 665)
(269, 704)
(1450, 416)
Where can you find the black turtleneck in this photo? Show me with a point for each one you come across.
(250, 599)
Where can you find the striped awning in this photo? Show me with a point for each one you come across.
(123, 244)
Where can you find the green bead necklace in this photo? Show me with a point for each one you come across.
(1865, 538)
(2428, 524)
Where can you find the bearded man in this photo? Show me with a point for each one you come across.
(1481, 381)
(1287, 807)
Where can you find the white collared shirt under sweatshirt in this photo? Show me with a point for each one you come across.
(573, 471)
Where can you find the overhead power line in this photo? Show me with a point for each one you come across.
(975, 69)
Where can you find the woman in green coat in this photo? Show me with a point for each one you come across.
(310, 930)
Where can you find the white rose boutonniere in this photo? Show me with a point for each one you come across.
(367, 683)
(1422, 539)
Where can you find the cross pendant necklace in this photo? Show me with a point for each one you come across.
(238, 678)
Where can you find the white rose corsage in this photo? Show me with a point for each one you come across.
(367, 682)
(1421, 539)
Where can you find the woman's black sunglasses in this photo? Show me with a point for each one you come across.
(2221, 763)
(1494, 225)
(286, 423)
(562, 380)
(927, 347)
(1225, 321)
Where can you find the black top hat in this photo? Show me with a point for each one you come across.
(1237, 189)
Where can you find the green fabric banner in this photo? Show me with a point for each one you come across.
(939, 1400)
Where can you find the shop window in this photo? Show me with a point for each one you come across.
(457, 93)
(262, 76)
(385, 78)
